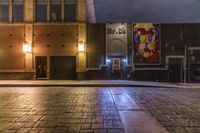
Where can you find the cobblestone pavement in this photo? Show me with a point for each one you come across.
(178, 110)
(94, 110)
(71, 110)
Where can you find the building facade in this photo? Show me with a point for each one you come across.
(51, 39)
(144, 52)
(39, 39)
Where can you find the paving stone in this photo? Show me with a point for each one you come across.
(86, 126)
(35, 130)
(28, 124)
(86, 131)
(40, 124)
(115, 131)
(23, 130)
(60, 130)
(82, 109)
(97, 119)
(16, 126)
(175, 109)
(193, 130)
(97, 126)
(74, 128)
(9, 131)
(100, 131)
(46, 130)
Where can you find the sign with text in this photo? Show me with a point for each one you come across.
(116, 39)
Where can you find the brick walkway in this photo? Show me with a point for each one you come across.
(58, 110)
(97, 110)
(178, 110)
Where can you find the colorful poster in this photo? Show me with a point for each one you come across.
(146, 41)
(116, 64)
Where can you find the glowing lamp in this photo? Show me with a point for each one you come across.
(26, 47)
(125, 60)
(108, 60)
(81, 46)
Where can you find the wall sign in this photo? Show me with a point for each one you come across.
(116, 39)
(146, 41)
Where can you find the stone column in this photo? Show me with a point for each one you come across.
(62, 10)
(81, 56)
(81, 13)
(29, 17)
(28, 11)
(48, 10)
(10, 10)
(29, 39)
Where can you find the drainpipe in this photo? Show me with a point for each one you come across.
(185, 65)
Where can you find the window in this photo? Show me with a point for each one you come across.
(70, 10)
(18, 10)
(41, 10)
(4, 10)
(56, 10)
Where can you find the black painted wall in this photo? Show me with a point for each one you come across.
(174, 38)
(96, 45)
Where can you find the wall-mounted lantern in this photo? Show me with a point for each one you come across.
(81, 46)
(125, 61)
(27, 47)
(108, 60)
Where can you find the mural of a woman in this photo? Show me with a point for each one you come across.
(146, 43)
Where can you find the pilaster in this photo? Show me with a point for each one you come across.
(29, 11)
(81, 10)
(29, 39)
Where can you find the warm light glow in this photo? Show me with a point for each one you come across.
(26, 47)
(81, 46)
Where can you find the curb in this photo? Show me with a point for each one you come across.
(86, 85)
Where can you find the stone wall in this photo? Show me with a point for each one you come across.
(16, 75)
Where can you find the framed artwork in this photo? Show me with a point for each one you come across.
(146, 41)
(116, 64)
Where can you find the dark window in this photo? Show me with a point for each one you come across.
(18, 10)
(4, 10)
(41, 10)
(56, 10)
(70, 10)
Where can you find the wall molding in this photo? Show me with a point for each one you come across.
(193, 48)
(15, 71)
(96, 68)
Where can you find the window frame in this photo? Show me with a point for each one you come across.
(35, 12)
(11, 12)
(8, 18)
(50, 11)
(62, 15)
(76, 10)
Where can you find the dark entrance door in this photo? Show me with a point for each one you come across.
(117, 70)
(63, 67)
(41, 66)
(175, 70)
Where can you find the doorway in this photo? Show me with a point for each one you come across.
(176, 70)
(117, 68)
(63, 67)
(41, 66)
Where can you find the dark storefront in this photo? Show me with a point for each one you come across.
(176, 59)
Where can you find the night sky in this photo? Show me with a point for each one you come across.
(154, 11)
